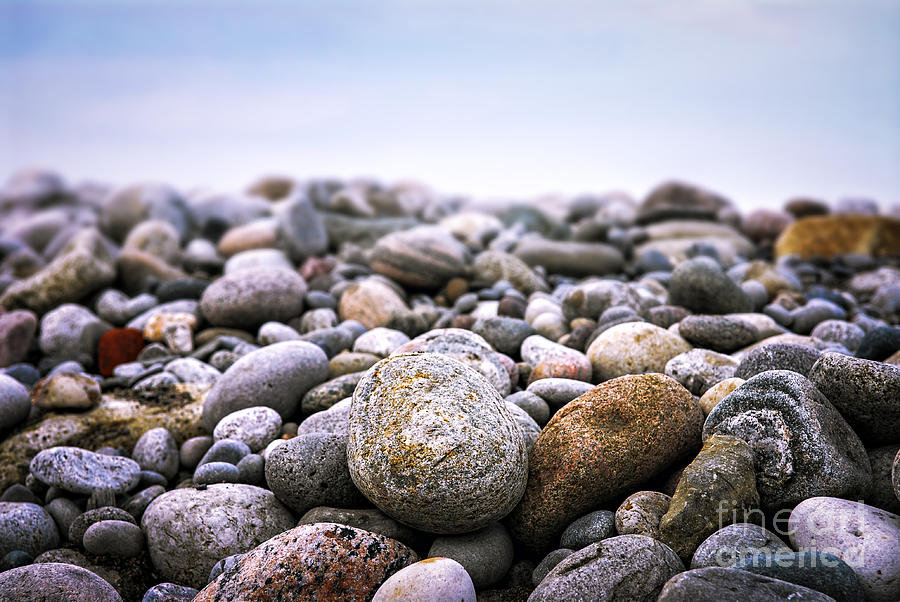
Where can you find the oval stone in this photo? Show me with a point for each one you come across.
(81, 471)
(251, 297)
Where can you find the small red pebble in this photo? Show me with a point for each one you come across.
(118, 346)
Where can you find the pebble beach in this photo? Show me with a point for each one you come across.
(317, 389)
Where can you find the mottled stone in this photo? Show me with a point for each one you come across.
(323, 561)
(27, 527)
(864, 537)
(641, 512)
(81, 471)
(66, 392)
(422, 257)
(716, 487)
(189, 530)
(276, 376)
(718, 392)
(600, 445)
(588, 529)
(700, 285)
(802, 444)
(248, 298)
(700, 369)
(114, 538)
(55, 581)
(633, 348)
(371, 302)
(368, 519)
(718, 583)
(491, 266)
(777, 356)
(17, 330)
(433, 445)
(255, 426)
(15, 402)
(170, 592)
(730, 544)
(840, 234)
(571, 363)
(627, 567)
(156, 450)
(866, 392)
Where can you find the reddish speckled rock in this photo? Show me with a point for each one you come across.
(118, 346)
(322, 561)
(598, 447)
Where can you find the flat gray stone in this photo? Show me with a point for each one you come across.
(81, 471)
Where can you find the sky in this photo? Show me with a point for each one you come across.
(759, 100)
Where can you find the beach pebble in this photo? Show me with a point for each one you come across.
(719, 333)
(700, 285)
(555, 360)
(26, 527)
(156, 450)
(486, 554)
(83, 521)
(71, 332)
(699, 370)
(718, 392)
(189, 530)
(216, 472)
(429, 579)
(630, 567)
(588, 529)
(864, 537)
(255, 426)
(225, 450)
(368, 519)
(324, 561)
(380, 341)
(641, 513)
(777, 356)
(461, 449)
(633, 348)
(114, 538)
(421, 257)
(371, 302)
(879, 343)
(17, 329)
(505, 334)
(248, 298)
(170, 592)
(847, 334)
(718, 583)
(55, 581)
(15, 402)
(311, 470)
(822, 572)
(81, 471)
(731, 544)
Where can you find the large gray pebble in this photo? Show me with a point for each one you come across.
(26, 527)
(504, 333)
(311, 470)
(71, 332)
(700, 285)
(778, 356)
(486, 554)
(15, 402)
(588, 529)
(217, 472)
(627, 567)
(81, 471)
(432, 443)
(276, 376)
(300, 228)
(251, 297)
(699, 369)
(429, 579)
(169, 592)
(380, 341)
(803, 446)
(333, 420)
(730, 544)
(55, 582)
(156, 450)
(225, 450)
(534, 406)
(530, 429)
(189, 530)
(847, 334)
(719, 333)
(114, 538)
(255, 426)
(557, 392)
(718, 583)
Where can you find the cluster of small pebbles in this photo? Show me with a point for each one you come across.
(320, 390)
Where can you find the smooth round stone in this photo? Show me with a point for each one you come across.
(598, 447)
(311, 470)
(548, 563)
(114, 538)
(700, 285)
(225, 450)
(534, 406)
(255, 426)
(70, 332)
(371, 302)
(64, 511)
(569, 258)
(866, 393)
(156, 450)
(21, 493)
(190, 370)
(320, 299)
(253, 259)
(541, 304)
(530, 429)
(25, 374)
(380, 341)
(804, 319)
(718, 583)
(137, 503)
(15, 402)
(26, 527)
(464, 346)
(333, 420)
(627, 567)
(588, 529)
(216, 472)
(641, 513)
(803, 446)
(324, 561)
(719, 333)
(485, 554)
(322, 397)
(847, 334)
(14, 560)
(557, 392)
(170, 592)
(864, 537)
(633, 348)
(276, 332)
(248, 298)
(505, 334)
(700, 369)
(81, 471)
(777, 356)
(733, 543)
(252, 470)
(17, 329)
(276, 376)
(558, 360)
(189, 530)
(83, 521)
(421, 257)
(55, 581)
(432, 444)
(879, 343)
(822, 572)
(193, 450)
(718, 392)
(350, 361)
(429, 579)
(117, 308)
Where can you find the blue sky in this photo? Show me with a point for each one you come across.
(757, 99)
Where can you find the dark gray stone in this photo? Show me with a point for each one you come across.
(486, 554)
(503, 333)
(216, 472)
(778, 356)
(55, 581)
(588, 529)
(15, 402)
(813, 569)
(699, 369)
(114, 538)
(301, 230)
(83, 521)
(719, 333)
(711, 584)
(81, 471)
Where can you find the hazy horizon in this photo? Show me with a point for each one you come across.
(759, 100)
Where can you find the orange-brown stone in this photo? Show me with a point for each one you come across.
(118, 346)
(831, 235)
